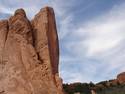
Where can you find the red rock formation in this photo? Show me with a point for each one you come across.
(121, 77)
(29, 54)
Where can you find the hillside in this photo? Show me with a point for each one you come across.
(115, 86)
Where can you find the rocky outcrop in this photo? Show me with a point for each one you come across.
(29, 54)
(121, 77)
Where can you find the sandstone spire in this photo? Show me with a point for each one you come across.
(29, 54)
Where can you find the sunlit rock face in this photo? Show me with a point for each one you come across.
(121, 77)
(29, 54)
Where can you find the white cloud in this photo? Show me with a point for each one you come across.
(100, 39)
(103, 33)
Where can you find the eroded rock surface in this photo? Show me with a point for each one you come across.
(29, 54)
(121, 77)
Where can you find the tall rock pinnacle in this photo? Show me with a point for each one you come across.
(29, 54)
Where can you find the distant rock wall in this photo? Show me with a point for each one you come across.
(29, 54)
(121, 77)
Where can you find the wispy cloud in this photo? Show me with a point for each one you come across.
(100, 39)
(101, 33)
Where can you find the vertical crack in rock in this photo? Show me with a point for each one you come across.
(29, 54)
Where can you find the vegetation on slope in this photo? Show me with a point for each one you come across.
(105, 87)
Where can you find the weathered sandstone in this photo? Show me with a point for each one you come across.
(29, 54)
(121, 77)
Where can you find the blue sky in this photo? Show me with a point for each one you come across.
(91, 35)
